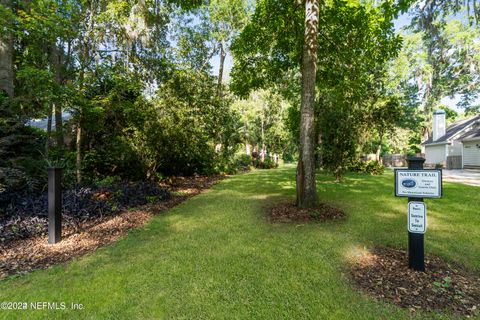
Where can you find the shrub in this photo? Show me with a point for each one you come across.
(358, 166)
(288, 157)
(174, 133)
(267, 164)
(21, 163)
(243, 161)
(372, 167)
(375, 168)
(107, 181)
(232, 165)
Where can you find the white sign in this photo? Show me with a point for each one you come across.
(417, 217)
(418, 183)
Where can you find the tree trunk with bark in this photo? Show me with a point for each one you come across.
(377, 154)
(379, 149)
(90, 23)
(49, 131)
(6, 57)
(262, 154)
(78, 140)
(306, 184)
(56, 61)
(220, 69)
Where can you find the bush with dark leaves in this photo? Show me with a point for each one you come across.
(267, 164)
(372, 167)
(24, 214)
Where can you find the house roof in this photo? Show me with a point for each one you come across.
(471, 134)
(455, 129)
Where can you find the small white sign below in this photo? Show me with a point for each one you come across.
(417, 217)
(426, 183)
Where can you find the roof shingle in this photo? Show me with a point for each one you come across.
(455, 129)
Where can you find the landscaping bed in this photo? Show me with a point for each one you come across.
(25, 214)
(289, 212)
(384, 274)
(85, 232)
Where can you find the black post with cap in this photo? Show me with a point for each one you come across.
(416, 247)
(54, 205)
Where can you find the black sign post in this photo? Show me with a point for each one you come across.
(417, 183)
(54, 205)
(416, 247)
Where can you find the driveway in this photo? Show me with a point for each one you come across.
(470, 177)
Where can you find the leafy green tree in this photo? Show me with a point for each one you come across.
(114, 34)
(207, 31)
(440, 56)
(21, 162)
(386, 115)
(355, 41)
(194, 47)
(226, 17)
(191, 119)
(44, 67)
(450, 114)
(6, 48)
(306, 181)
(102, 61)
(262, 120)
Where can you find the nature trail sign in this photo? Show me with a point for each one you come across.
(424, 183)
(417, 183)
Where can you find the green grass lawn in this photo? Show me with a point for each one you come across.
(215, 257)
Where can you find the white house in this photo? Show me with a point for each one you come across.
(461, 139)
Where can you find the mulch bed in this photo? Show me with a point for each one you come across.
(384, 274)
(24, 255)
(289, 212)
(23, 214)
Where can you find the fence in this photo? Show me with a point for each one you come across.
(369, 157)
(395, 160)
(454, 162)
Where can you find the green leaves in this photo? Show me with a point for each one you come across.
(262, 120)
(271, 44)
(355, 42)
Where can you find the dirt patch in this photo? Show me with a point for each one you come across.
(289, 212)
(24, 255)
(384, 274)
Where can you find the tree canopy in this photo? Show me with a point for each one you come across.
(128, 88)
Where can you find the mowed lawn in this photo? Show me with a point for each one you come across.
(216, 257)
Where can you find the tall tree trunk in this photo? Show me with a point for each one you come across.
(245, 134)
(220, 69)
(78, 142)
(433, 89)
(55, 59)
(377, 154)
(58, 124)
(379, 149)
(247, 149)
(90, 22)
(49, 130)
(306, 185)
(6, 57)
(263, 140)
